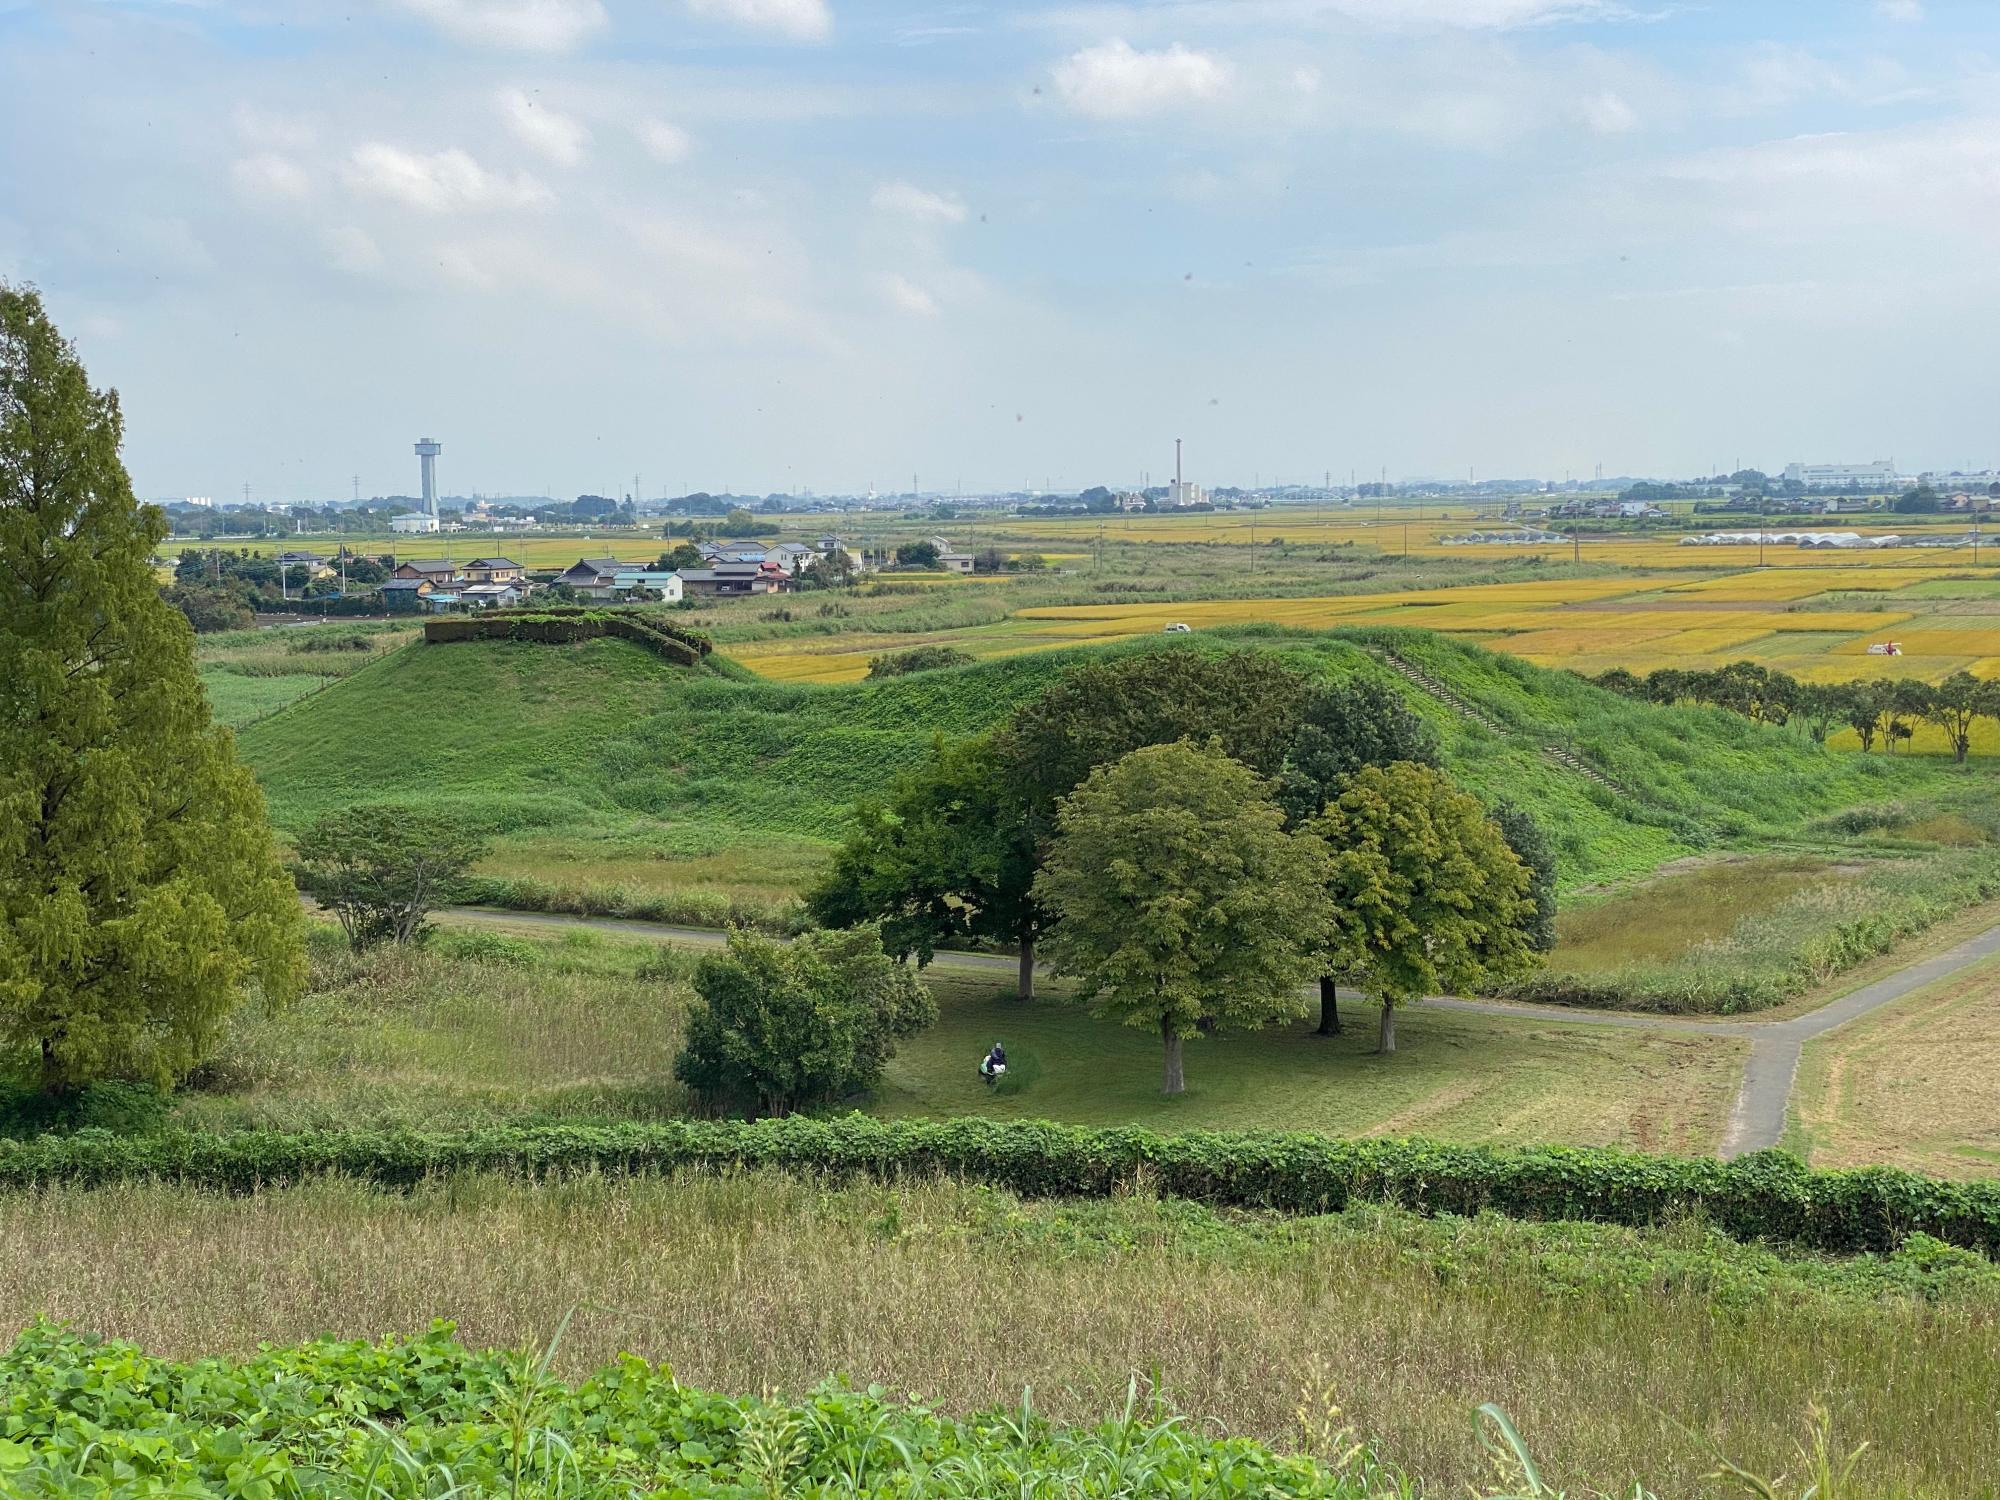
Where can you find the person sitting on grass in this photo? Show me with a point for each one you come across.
(994, 1064)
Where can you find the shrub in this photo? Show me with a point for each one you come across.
(1767, 1195)
(565, 625)
(917, 659)
(780, 1026)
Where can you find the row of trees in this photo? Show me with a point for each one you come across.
(1873, 707)
(1199, 835)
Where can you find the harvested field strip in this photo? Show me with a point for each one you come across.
(1855, 1101)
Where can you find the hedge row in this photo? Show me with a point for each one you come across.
(1767, 1195)
(561, 627)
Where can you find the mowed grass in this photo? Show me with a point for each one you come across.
(495, 1024)
(1916, 1084)
(1621, 1355)
(1455, 1075)
(1674, 912)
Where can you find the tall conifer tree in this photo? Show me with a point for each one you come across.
(140, 895)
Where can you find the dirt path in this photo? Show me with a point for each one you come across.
(1756, 1122)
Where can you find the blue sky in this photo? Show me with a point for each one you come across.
(766, 244)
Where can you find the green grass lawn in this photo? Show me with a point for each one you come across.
(1455, 1075)
(598, 768)
(237, 700)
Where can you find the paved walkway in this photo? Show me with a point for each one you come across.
(1757, 1120)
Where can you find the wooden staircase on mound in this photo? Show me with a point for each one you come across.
(1558, 755)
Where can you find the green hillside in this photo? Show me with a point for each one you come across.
(599, 765)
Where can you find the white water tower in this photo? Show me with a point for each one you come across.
(427, 453)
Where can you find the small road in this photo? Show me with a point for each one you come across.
(1756, 1121)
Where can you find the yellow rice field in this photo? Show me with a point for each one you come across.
(1588, 625)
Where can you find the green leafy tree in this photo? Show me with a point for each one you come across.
(917, 555)
(1865, 705)
(210, 609)
(832, 569)
(1183, 903)
(1347, 724)
(686, 555)
(1910, 701)
(382, 869)
(739, 522)
(1428, 897)
(1820, 706)
(1537, 851)
(140, 896)
(945, 857)
(1957, 704)
(780, 1027)
(1248, 701)
(1920, 501)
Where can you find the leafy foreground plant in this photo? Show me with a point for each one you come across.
(428, 1417)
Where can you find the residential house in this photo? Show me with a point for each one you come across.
(792, 556)
(437, 601)
(733, 551)
(432, 570)
(627, 582)
(596, 575)
(317, 565)
(494, 570)
(403, 594)
(491, 595)
(735, 578)
(949, 559)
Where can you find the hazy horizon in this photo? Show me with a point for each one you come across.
(759, 245)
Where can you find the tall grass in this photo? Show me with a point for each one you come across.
(1619, 1355)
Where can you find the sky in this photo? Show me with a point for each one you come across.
(773, 245)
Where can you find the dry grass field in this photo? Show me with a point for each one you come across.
(1619, 1355)
(1915, 1085)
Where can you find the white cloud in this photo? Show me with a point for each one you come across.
(438, 181)
(272, 132)
(517, 25)
(794, 20)
(1470, 14)
(907, 200)
(267, 176)
(350, 249)
(905, 295)
(1607, 113)
(667, 144)
(544, 130)
(1114, 80)
(1900, 10)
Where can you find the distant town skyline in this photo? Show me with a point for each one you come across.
(767, 245)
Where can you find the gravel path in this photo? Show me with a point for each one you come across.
(1756, 1121)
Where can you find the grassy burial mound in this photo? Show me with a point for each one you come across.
(614, 781)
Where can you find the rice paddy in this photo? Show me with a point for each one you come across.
(1819, 624)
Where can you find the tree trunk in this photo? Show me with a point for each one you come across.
(1175, 1083)
(1329, 1007)
(1024, 986)
(1387, 1044)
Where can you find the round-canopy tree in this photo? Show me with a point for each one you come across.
(1183, 904)
(1428, 896)
(139, 892)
